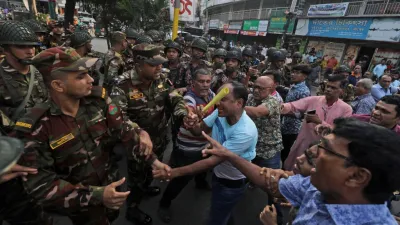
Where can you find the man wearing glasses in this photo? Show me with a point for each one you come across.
(344, 186)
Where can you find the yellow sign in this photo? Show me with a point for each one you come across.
(57, 143)
(22, 124)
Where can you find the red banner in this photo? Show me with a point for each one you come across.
(231, 31)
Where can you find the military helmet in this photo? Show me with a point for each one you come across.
(117, 36)
(131, 33)
(200, 44)
(270, 51)
(154, 35)
(16, 33)
(144, 39)
(233, 55)
(284, 51)
(220, 52)
(174, 45)
(189, 38)
(278, 56)
(35, 26)
(343, 69)
(80, 38)
(297, 55)
(236, 49)
(180, 41)
(247, 52)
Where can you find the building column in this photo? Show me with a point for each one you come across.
(260, 9)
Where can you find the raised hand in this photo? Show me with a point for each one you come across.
(113, 199)
(215, 148)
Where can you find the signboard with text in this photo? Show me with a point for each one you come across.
(276, 25)
(331, 9)
(187, 10)
(254, 28)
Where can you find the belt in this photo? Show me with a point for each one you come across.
(231, 183)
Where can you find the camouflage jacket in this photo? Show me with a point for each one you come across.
(74, 155)
(128, 59)
(187, 70)
(20, 84)
(150, 108)
(348, 94)
(287, 69)
(220, 78)
(51, 41)
(185, 58)
(174, 76)
(114, 65)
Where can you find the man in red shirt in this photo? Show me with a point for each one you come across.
(332, 63)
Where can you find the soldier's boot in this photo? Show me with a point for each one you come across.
(137, 216)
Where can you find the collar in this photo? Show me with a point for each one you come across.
(195, 93)
(301, 84)
(135, 78)
(363, 214)
(363, 96)
(55, 109)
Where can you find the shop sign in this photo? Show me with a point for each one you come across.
(235, 25)
(331, 9)
(276, 25)
(251, 25)
(249, 33)
(231, 31)
(214, 24)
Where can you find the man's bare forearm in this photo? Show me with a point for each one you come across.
(197, 167)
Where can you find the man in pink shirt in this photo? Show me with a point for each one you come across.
(316, 110)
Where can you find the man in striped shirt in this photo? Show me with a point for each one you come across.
(188, 147)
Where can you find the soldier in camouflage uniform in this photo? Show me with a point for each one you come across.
(250, 64)
(199, 49)
(148, 100)
(348, 93)
(173, 51)
(55, 38)
(68, 140)
(232, 72)
(131, 37)
(40, 32)
(187, 49)
(218, 59)
(114, 64)
(19, 43)
(158, 39)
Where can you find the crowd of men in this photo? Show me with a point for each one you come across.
(332, 157)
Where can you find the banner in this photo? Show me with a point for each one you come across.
(381, 53)
(263, 25)
(213, 24)
(331, 9)
(351, 28)
(334, 49)
(235, 25)
(249, 33)
(231, 31)
(351, 51)
(384, 29)
(187, 10)
(277, 23)
(251, 25)
(254, 27)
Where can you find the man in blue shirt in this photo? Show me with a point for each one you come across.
(232, 128)
(290, 124)
(382, 88)
(379, 69)
(344, 187)
(364, 102)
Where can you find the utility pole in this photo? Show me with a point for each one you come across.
(175, 25)
(289, 17)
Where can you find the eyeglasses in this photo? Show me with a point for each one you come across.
(315, 152)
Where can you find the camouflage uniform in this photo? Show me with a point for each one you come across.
(73, 155)
(348, 93)
(151, 109)
(187, 70)
(14, 85)
(220, 78)
(113, 62)
(185, 58)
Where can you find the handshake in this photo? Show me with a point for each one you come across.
(193, 117)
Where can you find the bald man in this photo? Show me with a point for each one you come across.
(264, 109)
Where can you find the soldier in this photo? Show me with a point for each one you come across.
(187, 49)
(199, 49)
(250, 64)
(157, 40)
(173, 51)
(81, 42)
(131, 37)
(55, 36)
(232, 72)
(348, 94)
(21, 85)
(147, 99)
(218, 59)
(144, 39)
(113, 60)
(40, 32)
(68, 140)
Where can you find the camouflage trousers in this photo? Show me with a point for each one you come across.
(97, 215)
(17, 208)
(140, 174)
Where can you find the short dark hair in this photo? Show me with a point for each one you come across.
(276, 75)
(200, 71)
(376, 149)
(392, 100)
(303, 68)
(338, 77)
(239, 91)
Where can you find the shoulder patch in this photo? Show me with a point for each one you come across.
(98, 91)
(29, 120)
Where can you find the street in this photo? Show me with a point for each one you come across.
(99, 45)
